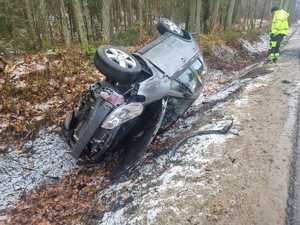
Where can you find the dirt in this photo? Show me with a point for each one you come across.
(237, 178)
(254, 189)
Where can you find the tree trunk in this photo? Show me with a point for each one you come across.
(293, 11)
(106, 4)
(140, 19)
(79, 22)
(198, 16)
(214, 17)
(87, 19)
(192, 15)
(206, 15)
(30, 21)
(230, 14)
(286, 4)
(44, 25)
(64, 23)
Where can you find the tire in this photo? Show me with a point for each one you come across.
(117, 65)
(140, 138)
(166, 25)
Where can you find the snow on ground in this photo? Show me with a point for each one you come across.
(257, 47)
(175, 186)
(47, 160)
(162, 187)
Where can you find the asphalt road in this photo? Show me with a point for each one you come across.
(293, 211)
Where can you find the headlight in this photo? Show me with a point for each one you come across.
(123, 114)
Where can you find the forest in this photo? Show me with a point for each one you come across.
(43, 24)
(246, 108)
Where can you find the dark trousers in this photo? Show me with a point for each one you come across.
(275, 43)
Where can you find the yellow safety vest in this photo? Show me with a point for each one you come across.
(280, 23)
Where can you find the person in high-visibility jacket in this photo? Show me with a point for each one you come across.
(280, 29)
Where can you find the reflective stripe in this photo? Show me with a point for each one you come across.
(280, 24)
(273, 56)
(273, 44)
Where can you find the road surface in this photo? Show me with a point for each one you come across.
(243, 178)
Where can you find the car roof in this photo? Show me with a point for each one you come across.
(170, 53)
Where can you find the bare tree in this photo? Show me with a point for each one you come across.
(44, 24)
(106, 5)
(230, 13)
(64, 23)
(80, 22)
(30, 20)
(214, 14)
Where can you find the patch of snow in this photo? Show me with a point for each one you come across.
(115, 218)
(169, 180)
(260, 46)
(42, 106)
(48, 159)
(224, 94)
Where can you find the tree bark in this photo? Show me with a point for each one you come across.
(198, 16)
(64, 23)
(230, 14)
(87, 19)
(286, 5)
(79, 22)
(30, 21)
(44, 25)
(106, 5)
(214, 17)
(192, 15)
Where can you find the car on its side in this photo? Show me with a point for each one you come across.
(144, 93)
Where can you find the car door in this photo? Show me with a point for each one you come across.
(192, 85)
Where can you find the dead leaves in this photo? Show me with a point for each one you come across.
(3, 63)
(66, 202)
(37, 90)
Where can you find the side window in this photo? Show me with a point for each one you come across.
(197, 66)
(189, 78)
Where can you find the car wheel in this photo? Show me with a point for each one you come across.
(166, 25)
(140, 138)
(117, 65)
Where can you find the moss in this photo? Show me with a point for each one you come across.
(88, 49)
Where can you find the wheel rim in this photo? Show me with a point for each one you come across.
(172, 26)
(121, 58)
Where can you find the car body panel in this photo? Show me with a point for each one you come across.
(170, 53)
(166, 61)
(84, 133)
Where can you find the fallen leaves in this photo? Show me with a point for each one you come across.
(3, 63)
(66, 202)
(37, 90)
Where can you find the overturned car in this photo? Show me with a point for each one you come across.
(144, 93)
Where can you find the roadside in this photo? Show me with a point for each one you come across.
(238, 178)
(76, 191)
